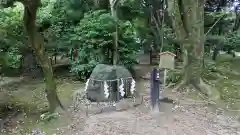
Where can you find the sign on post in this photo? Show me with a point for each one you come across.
(167, 60)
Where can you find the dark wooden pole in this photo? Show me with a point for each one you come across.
(155, 90)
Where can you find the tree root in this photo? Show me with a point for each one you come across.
(210, 92)
(180, 86)
(207, 90)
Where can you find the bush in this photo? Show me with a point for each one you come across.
(174, 77)
(94, 40)
(10, 61)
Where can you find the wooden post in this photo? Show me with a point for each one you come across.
(155, 90)
(165, 77)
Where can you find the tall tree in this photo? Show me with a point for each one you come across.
(188, 23)
(37, 44)
(113, 6)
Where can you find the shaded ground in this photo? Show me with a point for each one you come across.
(29, 98)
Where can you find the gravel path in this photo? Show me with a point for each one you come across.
(190, 119)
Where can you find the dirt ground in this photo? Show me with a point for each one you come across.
(187, 117)
(184, 118)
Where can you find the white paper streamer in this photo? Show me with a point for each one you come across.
(121, 88)
(106, 91)
(86, 85)
(132, 89)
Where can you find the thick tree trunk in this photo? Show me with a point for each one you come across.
(36, 43)
(188, 23)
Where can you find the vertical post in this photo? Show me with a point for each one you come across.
(163, 86)
(161, 83)
(150, 56)
(165, 77)
(155, 90)
(55, 56)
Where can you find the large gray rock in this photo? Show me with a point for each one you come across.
(109, 73)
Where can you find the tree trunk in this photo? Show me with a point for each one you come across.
(215, 53)
(237, 21)
(113, 6)
(178, 52)
(36, 43)
(218, 45)
(188, 23)
(150, 57)
(233, 54)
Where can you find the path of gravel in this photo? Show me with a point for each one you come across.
(191, 119)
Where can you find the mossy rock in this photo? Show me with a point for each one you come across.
(108, 73)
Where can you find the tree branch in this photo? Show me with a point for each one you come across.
(214, 25)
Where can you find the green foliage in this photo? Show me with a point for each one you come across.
(228, 42)
(94, 39)
(232, 42)
(174, 77)
(128, 47)
(11, 37)
(13, 58)
(11, 27)
(58, 19)
(130, 10)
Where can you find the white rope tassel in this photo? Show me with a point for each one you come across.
(132, 89)
(121, 88)
(106, 92)
(86, 85)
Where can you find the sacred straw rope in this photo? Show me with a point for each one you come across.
(110, 80)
